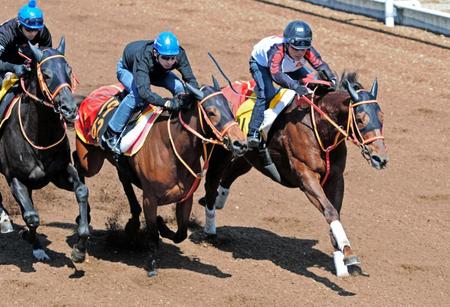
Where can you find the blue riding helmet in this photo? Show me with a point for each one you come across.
(166, 43)
(30, 16)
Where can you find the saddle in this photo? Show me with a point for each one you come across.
(243, 102)
(8, 96)
(97, 109)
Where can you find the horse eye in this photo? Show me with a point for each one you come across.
(362, 120)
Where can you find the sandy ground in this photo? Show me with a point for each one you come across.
(273, 246)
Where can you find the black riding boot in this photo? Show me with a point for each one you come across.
(110, 140)
(253, 140)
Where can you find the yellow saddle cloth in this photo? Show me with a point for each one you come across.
(8, 82)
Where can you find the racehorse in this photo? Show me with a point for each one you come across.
(34, 148)
(307, 145)
(167, 167)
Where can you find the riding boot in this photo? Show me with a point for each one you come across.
(110, 140)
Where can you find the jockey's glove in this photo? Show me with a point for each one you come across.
(20, 70)
(302, 90)
(172, 104)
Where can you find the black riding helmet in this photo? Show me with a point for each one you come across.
(298, 34)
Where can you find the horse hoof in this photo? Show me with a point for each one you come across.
(40, 255)
(351, 260)
(77, 255)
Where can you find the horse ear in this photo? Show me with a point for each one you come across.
(37, 53)
(216, 85)
(197, 93)
(353, 94)
(62, 45)
(374, 90)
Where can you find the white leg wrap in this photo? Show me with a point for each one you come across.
(5, 223)
(210, 221)
(341, 268)
(222, 195)
(4, 217)
(339, 235)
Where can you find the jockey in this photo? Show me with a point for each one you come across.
(15, 34)
(144, 63)
(282, 59)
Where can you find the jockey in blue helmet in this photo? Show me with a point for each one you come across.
(15, 34)
(146, 63)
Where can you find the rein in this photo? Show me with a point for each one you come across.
(351, 125)
(22, 129)
(205, 141)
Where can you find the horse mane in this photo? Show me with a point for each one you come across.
(351, 77)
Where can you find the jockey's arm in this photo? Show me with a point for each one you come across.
(185, 69)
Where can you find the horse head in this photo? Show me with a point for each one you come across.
(220, 120)
(367, 124)
(55, 80)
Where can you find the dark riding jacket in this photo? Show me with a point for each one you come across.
(138, 58)
(12, 39)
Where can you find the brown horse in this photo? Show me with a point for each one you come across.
(167, 168)
(308, 149)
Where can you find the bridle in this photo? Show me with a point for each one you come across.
(351, 132)
(49, 100)
(206, 155)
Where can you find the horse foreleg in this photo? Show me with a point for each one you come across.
(218, 188)
(183, 213)
(22, 195)
(69, 180)
(334, 190)
(133, 224)
(150, 210)
(318, 198)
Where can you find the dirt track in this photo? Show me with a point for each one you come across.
(273, 244)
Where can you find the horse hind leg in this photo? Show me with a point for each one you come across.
(150, 209)
(22, 195)
(133, 224)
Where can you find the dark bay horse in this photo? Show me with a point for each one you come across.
(34, 148)
(167, 168)
(308, 148)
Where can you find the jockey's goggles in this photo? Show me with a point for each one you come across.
(168, 57)
(299, 43)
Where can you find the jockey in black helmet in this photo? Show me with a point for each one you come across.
(282, 59)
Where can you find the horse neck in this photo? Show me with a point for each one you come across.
(334, 105)
(190, 118)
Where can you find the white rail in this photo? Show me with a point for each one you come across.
(408, 13)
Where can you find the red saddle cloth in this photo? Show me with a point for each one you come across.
(244, 90)
(102, 100)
